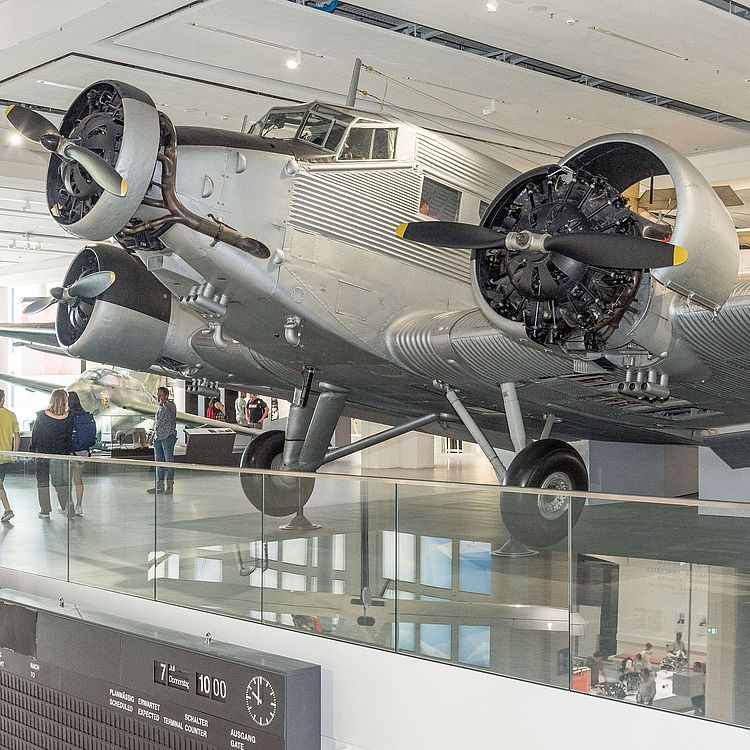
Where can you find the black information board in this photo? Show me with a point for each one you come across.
(87, 680)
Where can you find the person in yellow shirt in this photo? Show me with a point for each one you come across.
(10, 439)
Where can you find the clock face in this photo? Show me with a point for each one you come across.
(260, 699)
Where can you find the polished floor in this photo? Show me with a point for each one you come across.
(395, 566)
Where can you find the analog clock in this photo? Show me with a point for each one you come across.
(260, 699)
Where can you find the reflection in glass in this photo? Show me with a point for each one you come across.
(419, 576)
(435, 641)
(474, 566)
(436, 561)
(474, 645)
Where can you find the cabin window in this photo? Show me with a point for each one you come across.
(370, 143)
(439, 201)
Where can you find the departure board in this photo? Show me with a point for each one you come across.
(80, 679)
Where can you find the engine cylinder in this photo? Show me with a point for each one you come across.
(121, 124)
(557, 300)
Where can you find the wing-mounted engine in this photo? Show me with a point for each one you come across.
(579, 300)
(127, 324)
(702, 224)
(120, 124)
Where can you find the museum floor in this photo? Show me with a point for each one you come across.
(423, 552)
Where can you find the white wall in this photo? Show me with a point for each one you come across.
(376, 700)
(720, 482)
(652, 595)
(637, 469)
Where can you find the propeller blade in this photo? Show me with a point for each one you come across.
(101, 171)
(92, 285)
(621, 251)
(451, 234)
(38, 305)
(29, 123)
(58, 293)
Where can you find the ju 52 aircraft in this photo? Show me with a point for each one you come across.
(272, 257)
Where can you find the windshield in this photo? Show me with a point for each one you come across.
(279, 124)
(323, 130)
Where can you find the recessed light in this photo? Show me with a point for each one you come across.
(16, 139)
(491, 6)
(295, 62)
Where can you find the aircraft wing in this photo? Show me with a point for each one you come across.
(191, 419)
(145, 410)
(30, 383)
(32, 333)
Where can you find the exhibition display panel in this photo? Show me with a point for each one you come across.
(427, 569)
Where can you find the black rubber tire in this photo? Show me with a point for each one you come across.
(522, 513)
(283, 495)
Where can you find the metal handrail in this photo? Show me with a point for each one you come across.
(149, 464)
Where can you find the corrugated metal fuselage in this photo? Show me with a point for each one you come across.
(378, 316)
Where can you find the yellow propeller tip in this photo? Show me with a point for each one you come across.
(400, 229)
(123, 188)
(680, 255)
(8, 109)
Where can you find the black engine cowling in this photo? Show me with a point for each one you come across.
(127, 324)
(559, 301)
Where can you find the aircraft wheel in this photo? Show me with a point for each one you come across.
(283, 495)
(543, 520)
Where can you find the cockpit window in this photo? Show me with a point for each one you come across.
(281, 125)
(111, 379)
(323, 129)
(370, 143)
(315, 130)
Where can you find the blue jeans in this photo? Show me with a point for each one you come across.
(164, 451)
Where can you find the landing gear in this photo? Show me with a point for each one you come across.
(546, 464)
(543, 520)
(273, 495)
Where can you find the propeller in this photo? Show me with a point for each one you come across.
(620, 251)
(39, 129)
(451, 234)
(87, 287)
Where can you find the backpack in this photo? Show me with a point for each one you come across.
(84, 431)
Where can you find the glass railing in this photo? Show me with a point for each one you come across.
(635, 599)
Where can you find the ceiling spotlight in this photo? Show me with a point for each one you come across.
(16, 139)
(295, 62)
(491, 6)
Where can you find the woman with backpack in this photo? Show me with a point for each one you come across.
(52, 432)
(84, 437)
(216, 410)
